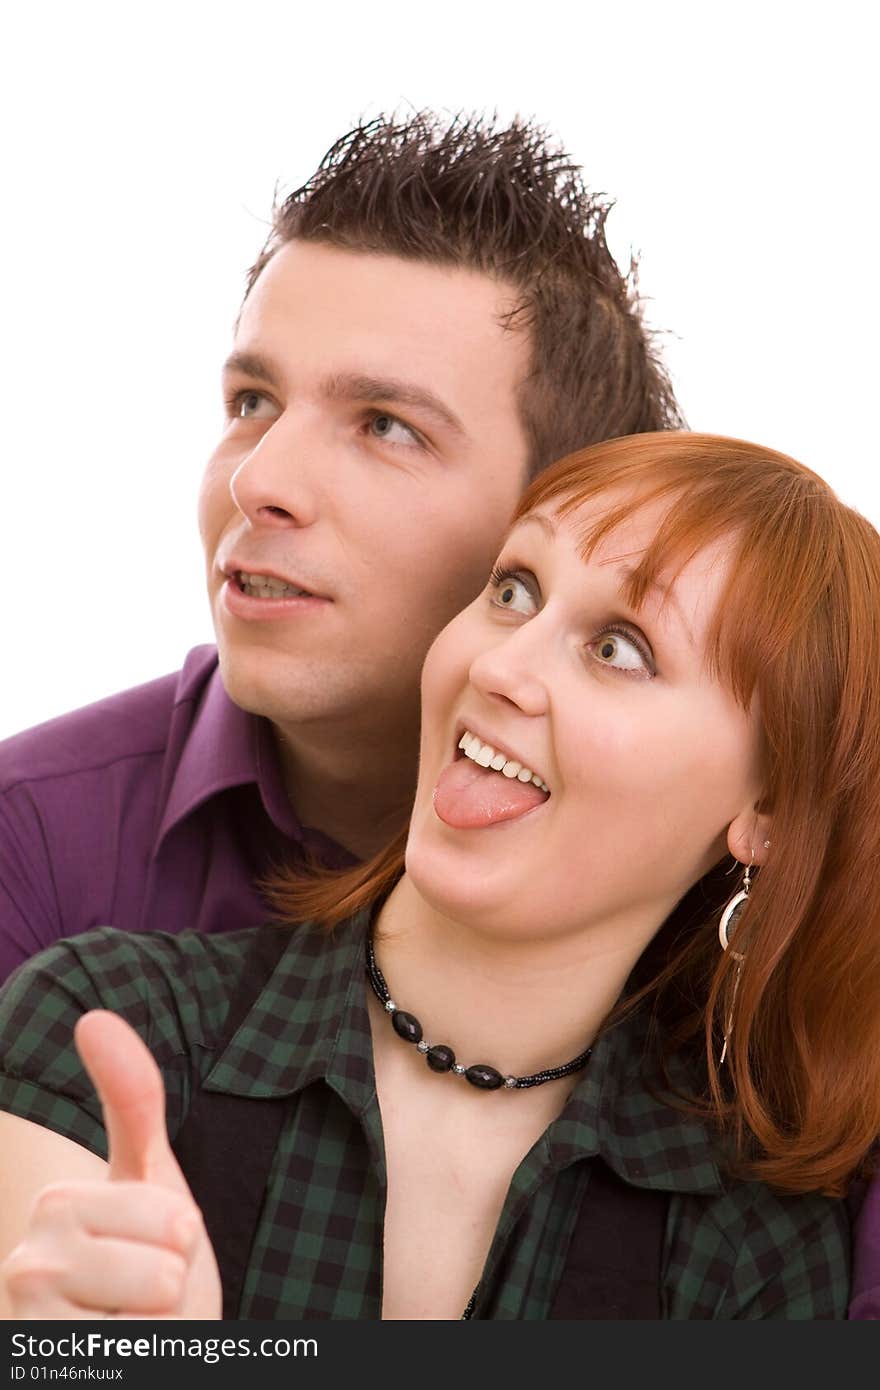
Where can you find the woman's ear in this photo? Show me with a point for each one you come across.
(749, 837)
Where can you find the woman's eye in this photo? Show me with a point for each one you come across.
(252, 405)
(391, 430)
(622, 652)
(510, 592)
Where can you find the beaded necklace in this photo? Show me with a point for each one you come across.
(441, 1058)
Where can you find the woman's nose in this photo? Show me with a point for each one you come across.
(512, 671)
(277, 483)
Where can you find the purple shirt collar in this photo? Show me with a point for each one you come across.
(225, 747)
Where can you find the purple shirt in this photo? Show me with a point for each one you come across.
(865, 1304)
(154, 810)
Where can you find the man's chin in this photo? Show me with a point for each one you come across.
(263, 683)
(283, 689)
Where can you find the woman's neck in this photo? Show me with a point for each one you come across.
(518, 1004)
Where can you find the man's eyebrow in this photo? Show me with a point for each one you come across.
(356, 386)
(252, 364)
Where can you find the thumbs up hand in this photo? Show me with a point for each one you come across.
(132, 1244)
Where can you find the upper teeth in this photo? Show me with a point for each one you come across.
(266, 586)
(485, 755)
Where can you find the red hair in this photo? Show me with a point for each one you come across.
(797, 628)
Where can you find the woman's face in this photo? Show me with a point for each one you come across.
(648, 759)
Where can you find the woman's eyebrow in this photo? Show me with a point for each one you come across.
(666, 592)
(543, 521)
(623, 575)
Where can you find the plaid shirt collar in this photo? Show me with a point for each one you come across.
(310, 1024)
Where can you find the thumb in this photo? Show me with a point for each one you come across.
(132, 1094)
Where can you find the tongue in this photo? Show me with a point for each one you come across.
(468, 796)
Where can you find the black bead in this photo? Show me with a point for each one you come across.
(486, 1078)
(407, 1026)
(440, 1057)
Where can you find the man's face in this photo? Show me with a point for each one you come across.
(371, 458)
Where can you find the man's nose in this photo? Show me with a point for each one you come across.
(277, 483)
(514, 670)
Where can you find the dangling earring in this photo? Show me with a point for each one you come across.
(729, 918)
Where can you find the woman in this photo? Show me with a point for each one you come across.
(673, 673)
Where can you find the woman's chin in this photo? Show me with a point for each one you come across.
(452, 878)
(442, 877)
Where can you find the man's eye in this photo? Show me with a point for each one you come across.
(251, 405)
(509, 591)
(622, 651)
(391, 430)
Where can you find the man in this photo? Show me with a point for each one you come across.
(435, 317)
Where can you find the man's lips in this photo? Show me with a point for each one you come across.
(258, 581)
(261, 595)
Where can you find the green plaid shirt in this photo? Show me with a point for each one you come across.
(732, 1249)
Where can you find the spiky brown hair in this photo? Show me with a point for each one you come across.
(509, 203)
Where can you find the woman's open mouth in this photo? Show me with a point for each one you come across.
(484, 755)
(482, 786)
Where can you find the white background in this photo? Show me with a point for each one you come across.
(142, 148)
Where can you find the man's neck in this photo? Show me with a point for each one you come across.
(356, 789)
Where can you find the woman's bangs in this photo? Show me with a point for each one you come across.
(774, 511)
